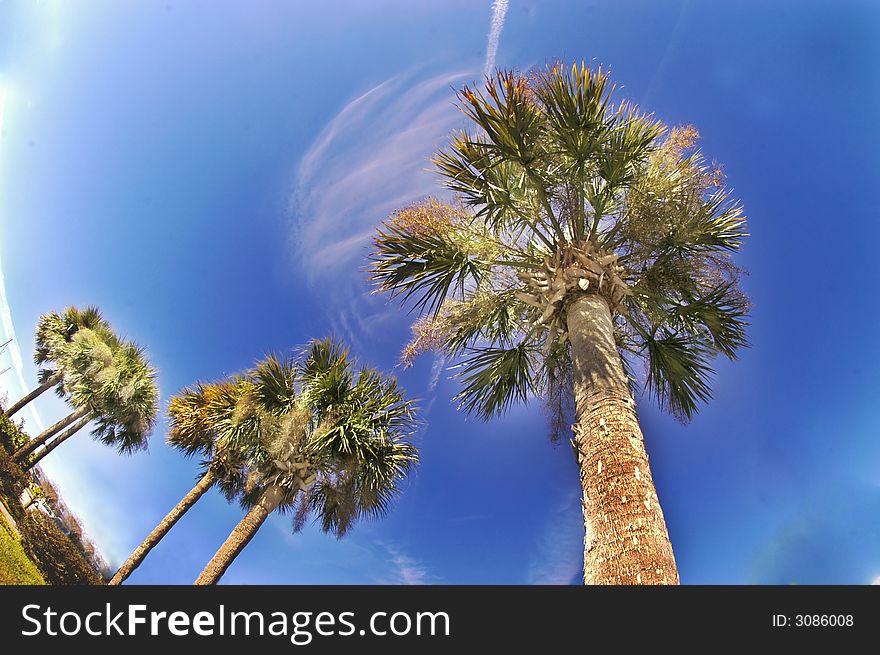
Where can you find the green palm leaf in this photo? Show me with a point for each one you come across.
(494, 378)
(552, 165)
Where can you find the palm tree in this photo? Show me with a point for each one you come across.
(54, 331)
(88, 353)
(328, 441)
(585, 237)
(109, 382)
(195, 412)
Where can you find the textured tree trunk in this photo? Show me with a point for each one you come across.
(134, 560)
(241, 536)
(46, 434)
(60, 439)
(626, 540)
(48, 384)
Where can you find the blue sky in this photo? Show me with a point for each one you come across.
(209, 174)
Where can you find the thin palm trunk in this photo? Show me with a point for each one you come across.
(134, 560)
(48, 384)
(241, 536)
(60, 439)
(626, 539)
(47, 434)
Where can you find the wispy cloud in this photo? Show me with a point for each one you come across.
(559, 551)
(405, 570)
(436, 370)
(370, 159)
(499, 12)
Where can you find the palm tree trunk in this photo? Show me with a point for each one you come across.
(134, 560)
(626, 540)
(46, 434)
(48, 384)
(241, 536)
(60, 439)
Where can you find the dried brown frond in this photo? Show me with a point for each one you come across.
(429, 217)
(681, 138)
(428, 335)
(558, 406)
(715, 175)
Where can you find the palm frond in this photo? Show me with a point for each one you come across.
(337, 450)
(192, 418)
(575, 102)
(125, 394)
(494, 378)
(276, 380)
(678, 373)
(556, 388)
(722, 313)
(423, 269)
(507, 113)
(570, 192)
(326, 376)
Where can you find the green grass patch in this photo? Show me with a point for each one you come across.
(45, 554)
(15, 567)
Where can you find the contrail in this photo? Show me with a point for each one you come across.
(499, 10)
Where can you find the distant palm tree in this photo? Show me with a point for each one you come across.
(328, 441)
(77, 355)
(128, 399)
(54, 331)
(584, 240)
(109, 382)
(195, 414)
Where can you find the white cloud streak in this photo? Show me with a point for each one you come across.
(406, 570)
(370, 159)
(436, 371)
(560, 545)
(499, 12)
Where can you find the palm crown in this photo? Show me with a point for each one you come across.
(332, 436)
(107, 379)
(558, 192)
(114, 378)
(55, 332)
(200, 425)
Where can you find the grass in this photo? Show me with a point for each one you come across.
(15, 567)
(44, 553)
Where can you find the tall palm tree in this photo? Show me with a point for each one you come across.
(328, 441)
(584, 237)
(110, 382)
(195, 413)
(79, 360)
(54, 331)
